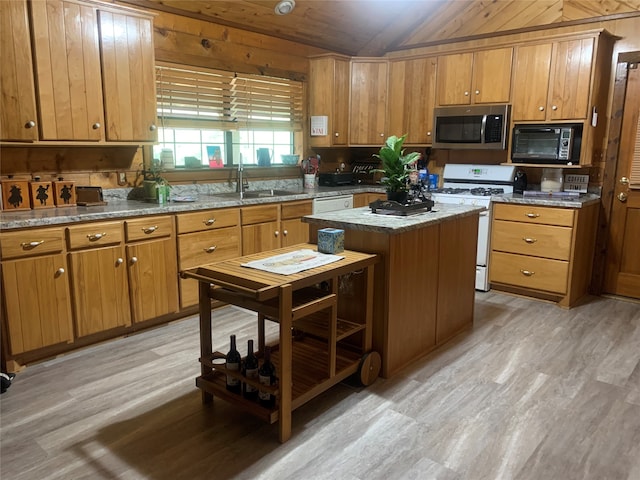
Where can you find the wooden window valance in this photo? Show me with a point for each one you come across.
(230, 100)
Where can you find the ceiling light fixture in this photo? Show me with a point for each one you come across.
(284, 7)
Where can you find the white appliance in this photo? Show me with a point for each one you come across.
(466, 184)
(331, 204)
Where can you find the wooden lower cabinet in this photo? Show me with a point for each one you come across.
(99, 280)
(267, 227)
(100, 290)
(544, 252)
(364, 199)
(205, 237)
(35, 291)
(152, 267)
(37, 303)
(294, 231)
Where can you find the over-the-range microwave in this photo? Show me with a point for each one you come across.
(557, 144)
(471, 127)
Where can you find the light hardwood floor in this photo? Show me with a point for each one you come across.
(532, 392)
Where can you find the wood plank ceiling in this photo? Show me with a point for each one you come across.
(375, 27)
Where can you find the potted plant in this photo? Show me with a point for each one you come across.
(156, 187)
(396, 168)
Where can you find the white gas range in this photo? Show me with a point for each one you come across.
(466, 184)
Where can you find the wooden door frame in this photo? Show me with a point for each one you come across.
(611, 166)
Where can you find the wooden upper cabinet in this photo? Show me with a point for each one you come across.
(454, 79)
(128, 76)
(530, 82)
(552, 81)
(367, 120)
(67, 70)
(18, 108)
(570, 80)
(412, 98)
(329, 96)
(475, 77)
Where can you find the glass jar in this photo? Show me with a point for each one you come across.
(551, 180)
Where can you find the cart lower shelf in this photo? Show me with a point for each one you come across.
(310, 367)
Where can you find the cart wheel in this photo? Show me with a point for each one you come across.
(369, 368)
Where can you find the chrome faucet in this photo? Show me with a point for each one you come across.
(242, 183)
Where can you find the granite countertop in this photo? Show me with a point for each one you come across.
(362, 218)
(583, 200)
(118, 207)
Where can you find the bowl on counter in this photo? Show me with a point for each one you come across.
(290, 159)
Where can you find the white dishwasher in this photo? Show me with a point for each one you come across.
(330, 204)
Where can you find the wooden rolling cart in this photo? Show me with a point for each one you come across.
(325, 350)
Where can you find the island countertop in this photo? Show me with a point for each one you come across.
(362, 219)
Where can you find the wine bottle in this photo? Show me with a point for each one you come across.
(267, 376)
(233, 363)
(250, 371)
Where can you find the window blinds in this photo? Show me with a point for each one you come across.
(234, 100)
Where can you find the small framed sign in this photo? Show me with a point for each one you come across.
(319, 125)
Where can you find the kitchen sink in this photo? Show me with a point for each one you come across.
(257, 194)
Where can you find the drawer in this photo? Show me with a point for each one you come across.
(149, 227)
(206, 220)
(534, 214)
(529, 272)
(196, 249)
(27, 243)
(94, 235)
(262, 214)
(295, 209)
(547, 241)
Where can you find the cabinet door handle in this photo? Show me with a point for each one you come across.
(530, 240)
(30, 245)
(277, 233)
(149, 230)
(211, 249)
(60, 272)
(527, 273)
(133, 260)
(152, 127)
(541, 109)
(284, 232)
(532, 215)
(337, 134)
(96, 236)
(95, 126)
(30, 124)
(477, 92)
(209, 222)
(119, 261)
(466, 94)
(554, 107)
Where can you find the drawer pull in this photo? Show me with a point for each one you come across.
(210, 249)
(209, 222)
(530, 240)
(527, 273)
(96, 236)
(30, 245)
(149, 230)
(532, 215)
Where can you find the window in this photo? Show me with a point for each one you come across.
(214, 118)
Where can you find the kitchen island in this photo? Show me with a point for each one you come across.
(424, 286)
